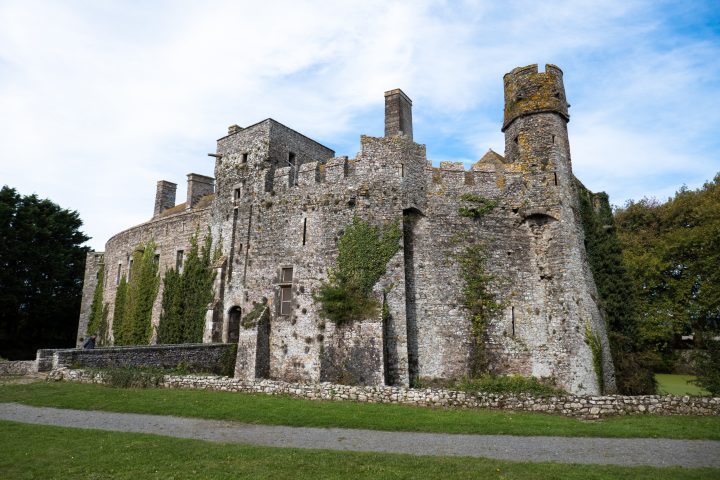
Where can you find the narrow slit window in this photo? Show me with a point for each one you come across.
(555, 178)
(117, 277)
(512, 313)
(401, 170)
(304, 230)
(553, 139)
(237, 193)
(179, 260)
(244, 158)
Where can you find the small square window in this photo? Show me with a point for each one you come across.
(287, 275)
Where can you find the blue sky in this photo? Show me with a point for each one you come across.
(99, 100)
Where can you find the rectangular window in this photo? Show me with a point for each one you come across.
(244, 158)
(286, 275)
(401, 170)
(304, 229)
(237, 193)
(179, 260)
(286, 300)
(156, 259)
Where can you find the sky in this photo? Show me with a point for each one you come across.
(99, 99)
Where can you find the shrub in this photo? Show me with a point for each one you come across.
(707, 366)
(133, 377)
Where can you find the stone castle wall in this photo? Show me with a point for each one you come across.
(283, 200)
(94, 264)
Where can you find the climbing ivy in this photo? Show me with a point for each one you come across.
(594, 342)
(363, 253)
(479, 300)
(136, 326)
(97, 324)
(119, 311)
(259, 314)
(480, 206)
(186, 295)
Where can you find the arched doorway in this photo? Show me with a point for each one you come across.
(233, 334)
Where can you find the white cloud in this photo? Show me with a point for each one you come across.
(101, 100)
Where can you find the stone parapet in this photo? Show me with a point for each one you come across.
(577, 406)
(20, 367)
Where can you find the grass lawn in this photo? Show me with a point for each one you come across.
(678, 385)
(34, 451)
(270, 410)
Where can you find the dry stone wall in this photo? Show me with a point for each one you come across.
(578, 406)
(195, 357)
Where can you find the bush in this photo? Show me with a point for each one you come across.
(707, 366)
(510, 384)
(133, 377)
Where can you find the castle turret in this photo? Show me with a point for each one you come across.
(398, 114)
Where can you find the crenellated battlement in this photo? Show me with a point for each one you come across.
(528, 91)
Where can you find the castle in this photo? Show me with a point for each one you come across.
(280, 201)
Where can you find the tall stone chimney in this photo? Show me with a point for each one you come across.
(164, 196)
(398, 114)
(197, 187)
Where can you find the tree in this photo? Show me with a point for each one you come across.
(186, 295)
(42, 264)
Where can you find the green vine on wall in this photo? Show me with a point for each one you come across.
(479, 300)
(363, 253)
(97, 324)
(594, 342)
(134, 299)
(186, 294)
(259, 315)
(480, 206)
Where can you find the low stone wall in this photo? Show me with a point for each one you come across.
(44, 358)
(584, 407)
(199, 357)
(20, 367)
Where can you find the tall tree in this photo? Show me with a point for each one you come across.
(42, 264)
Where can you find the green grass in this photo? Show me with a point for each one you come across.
(34, 452)
(678, 385)
(270, 410)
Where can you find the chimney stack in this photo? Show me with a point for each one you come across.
(197, 187)
(164, 196)
(398, 114)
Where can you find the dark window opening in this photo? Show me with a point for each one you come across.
(236, 195)
(304, 230)
(156, 259)
(553, 139)
(244, 158)
(179, 260)
(512, 313)
(117, 277)
(515, 140)
(401, 170)
(233, 333)
(555, 178)
(292, 174)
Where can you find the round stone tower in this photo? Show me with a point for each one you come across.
(559, 298)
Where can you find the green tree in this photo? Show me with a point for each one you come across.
(42, 264)
(618, 299)
(186, 295)
(672, 252)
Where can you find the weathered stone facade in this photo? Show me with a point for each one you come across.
(282, 201)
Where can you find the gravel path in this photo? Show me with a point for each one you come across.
(616, 451)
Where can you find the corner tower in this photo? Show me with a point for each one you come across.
(558, 306)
